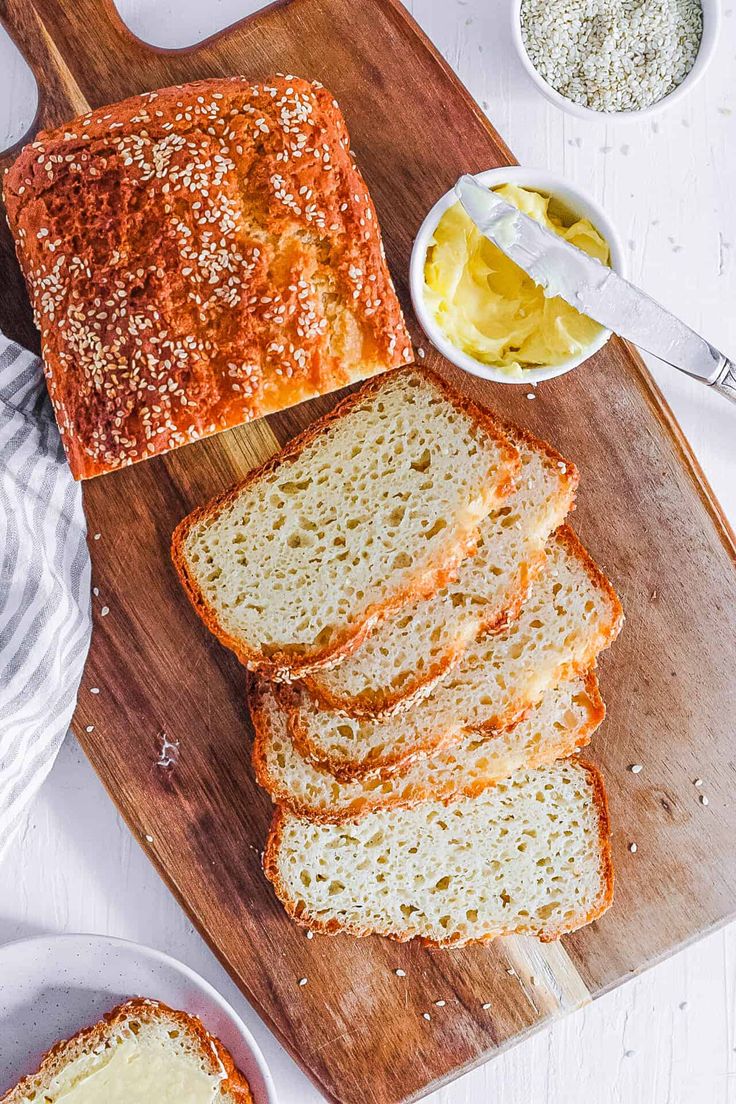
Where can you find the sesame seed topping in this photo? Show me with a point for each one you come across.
(400, 973)
(426, 1016)
(633, 848)
(303, 981)
(704, 800)
(132, 352)
(636, 768)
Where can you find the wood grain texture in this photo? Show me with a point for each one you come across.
(355, 1026)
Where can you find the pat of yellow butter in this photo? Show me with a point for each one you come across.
(134, 1073)
(489, 308)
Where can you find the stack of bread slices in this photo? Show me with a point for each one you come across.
(421, 629)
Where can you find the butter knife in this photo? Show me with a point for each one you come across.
(593, 289)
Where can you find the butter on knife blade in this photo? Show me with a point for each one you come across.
(589, 286)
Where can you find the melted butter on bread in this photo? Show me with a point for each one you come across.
(134, 1071)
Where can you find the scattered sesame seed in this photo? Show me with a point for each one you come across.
(531, 395)
(104, 611)
(421, 353)
(704, 800)
(94, 689)
(426, 1016)
(96, 591)
(310, 935)
(486, 1006)
(400, 973)
(149, 839)
(440, 1004)
(302, 981)
(532, 979)
(633, 848)
(698, 782)
(90, 728)
(511, 971)
(636, 768)
(97, 536)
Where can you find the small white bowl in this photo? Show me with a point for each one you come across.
(575, 202)
(708, 42)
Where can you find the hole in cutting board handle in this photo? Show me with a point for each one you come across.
(180, 24)
(18, 95)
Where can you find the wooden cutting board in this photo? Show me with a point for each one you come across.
(158, 688)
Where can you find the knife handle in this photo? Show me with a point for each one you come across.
(725, 383)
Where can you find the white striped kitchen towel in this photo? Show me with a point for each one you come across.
(45, 619)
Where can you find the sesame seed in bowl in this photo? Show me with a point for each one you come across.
(620, 58)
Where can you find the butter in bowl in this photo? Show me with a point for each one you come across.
(481, 310)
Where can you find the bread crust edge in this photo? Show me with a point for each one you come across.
(566, 746)
(374, 703)
(333, 927)
(141, 1007)
(282, 665)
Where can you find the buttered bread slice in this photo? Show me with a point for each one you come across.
(571, 615)
(530, 856)
(564, 720)
(373, 505)
(141, 1053)
(406, 654)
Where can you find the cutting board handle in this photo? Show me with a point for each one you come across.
(48, 33)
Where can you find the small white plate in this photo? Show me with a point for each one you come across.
(52, 986)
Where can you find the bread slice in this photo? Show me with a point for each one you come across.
(571, 615)
(407, 654)
(529, 856)
(564, 720)
(374, 504)
(153, 1034)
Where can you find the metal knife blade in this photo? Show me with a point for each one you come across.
(592, 288)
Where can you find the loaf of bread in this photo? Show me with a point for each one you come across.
(373, 505)
(561, 722)
(142, 1052)
(571, 615)
(197, 257)
(405, 655)
(529, 856)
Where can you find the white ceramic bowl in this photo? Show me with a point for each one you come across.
(711, 29)
(575, 202)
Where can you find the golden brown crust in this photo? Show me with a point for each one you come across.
(392, 762)
(374, 703)
(333, 927)
(257, 690)
(370, 703)
(290, 665)
(197, 257)
(395, 759)
(234, 1084)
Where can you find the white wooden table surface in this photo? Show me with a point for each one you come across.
(668, 1037)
